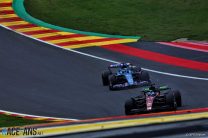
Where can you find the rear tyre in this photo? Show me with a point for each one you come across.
(145, 76)
(129, 105)
(171, 101)
(105, 79)
(137, 69)
(178, 98)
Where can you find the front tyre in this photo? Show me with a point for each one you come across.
(178, 98)
(105, 78)
(171, 101)
(129, 105)
(112, 81)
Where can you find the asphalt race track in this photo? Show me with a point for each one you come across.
(40, 79)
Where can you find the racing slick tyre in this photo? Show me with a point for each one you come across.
(105, 78)
(137, 69)
(178, 98)
(112, 81)
(145, 76)
(111, 88)
(129, 105)
(171, 101)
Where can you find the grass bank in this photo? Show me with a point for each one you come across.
(156, 20)
(8, 121)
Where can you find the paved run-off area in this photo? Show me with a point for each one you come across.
(43, 80)
(52, 82)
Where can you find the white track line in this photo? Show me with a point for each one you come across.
(36, 116)
(96, 57)
(108, 60)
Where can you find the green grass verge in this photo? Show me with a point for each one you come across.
(8, 121)
(157, 20)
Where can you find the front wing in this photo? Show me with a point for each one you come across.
(126, 85)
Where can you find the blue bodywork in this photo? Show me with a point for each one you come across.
(128, 75)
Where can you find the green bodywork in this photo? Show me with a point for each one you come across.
(161, 88)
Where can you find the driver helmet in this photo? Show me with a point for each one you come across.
(125, 65)
(152, 87)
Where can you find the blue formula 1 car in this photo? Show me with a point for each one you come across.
(125, 75)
